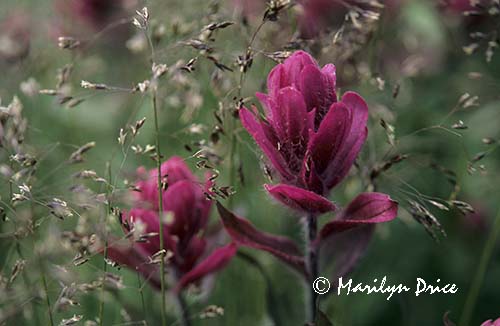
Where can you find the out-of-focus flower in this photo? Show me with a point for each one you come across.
(15, 36)
(92, 13)
(458, 6)
(186, 215)
(315, 16)
(476, 222)
(82, 18)
(472, 12)
(250, 8)
(491, 322)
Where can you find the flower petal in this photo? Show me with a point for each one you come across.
(317, 91)
(191, 253)
(300, 199)
(324, 146)
(214, 262)
(187, 202)
(293, 117)
(175, 169)
(288, 73)
(347, 153)
(329, 72)
(244, 233)
(267, 105)
(152, 225)
(258, 133)
(367, 208)
(130, 255)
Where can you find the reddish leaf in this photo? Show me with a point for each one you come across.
(244, 233)
(367, 208)
(300, 199)
(216, 261)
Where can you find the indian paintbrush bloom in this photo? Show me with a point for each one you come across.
(186, 215)
(311, 139)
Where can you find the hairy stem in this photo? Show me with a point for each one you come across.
(311, 229)
(160, 208)
(480, 272)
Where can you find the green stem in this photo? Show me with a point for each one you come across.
(232, 152)
(160, 209)
(142, 295)
(26, 280)
(46, 289)
(105, 264)
(480, 272)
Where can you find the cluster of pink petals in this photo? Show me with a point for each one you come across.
(310, 137)
(183, 236)
(311, 140)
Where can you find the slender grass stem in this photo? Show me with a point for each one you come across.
(232, 122)
(232, 153)
(26, 280)
(470, 302)
(160, 207)
(140, 289)
(105, 264)
(311, 230)
(46, 289)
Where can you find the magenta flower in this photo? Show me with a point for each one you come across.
(311, 139)
(187, 210)
(309, 136)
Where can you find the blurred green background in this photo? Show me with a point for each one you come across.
(417, 49)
